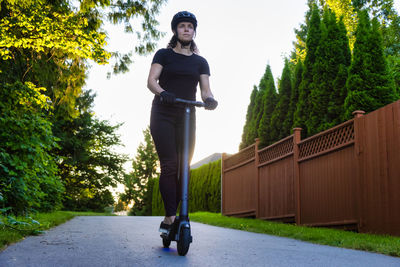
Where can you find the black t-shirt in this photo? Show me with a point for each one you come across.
(180, 74)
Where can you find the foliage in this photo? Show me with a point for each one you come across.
(346, 13)
(157, 206)
(38, 28)
(270, 98)
(120, 206)
(323, 93)
(249, 115)
(88, 165)
(328, 90)
(139, 183)
(306, 86)
(258, 110)
(28, 173)
(294, 96)
(347, 10)
(25, 226)
(394, 63)
(125, 12)
(49, 44)
(370, 85)
(299, 52)
(204, 190)
(277, 129)
(59, 27)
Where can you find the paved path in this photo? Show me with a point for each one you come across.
(134, 241)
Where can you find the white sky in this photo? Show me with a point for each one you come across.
(237, 38)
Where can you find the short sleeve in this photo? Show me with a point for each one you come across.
(204, 67)
(159, 57)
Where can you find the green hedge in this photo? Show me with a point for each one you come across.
(204, 190)
(157, 206)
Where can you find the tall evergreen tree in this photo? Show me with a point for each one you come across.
(344, 9)
(313, 36)
(370, 85)
(138, 181)
(259, 107)
(394, 64)
(249, 116)
(294, 97)
(270, 100)
(332, 52)
(339, 92)
(278, 131)
(87, 164)
(299, 52)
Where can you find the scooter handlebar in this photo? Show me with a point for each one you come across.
(190, 102)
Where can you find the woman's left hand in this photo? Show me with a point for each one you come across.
(211, 103)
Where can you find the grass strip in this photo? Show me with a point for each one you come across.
(388, 245)
(47, 221)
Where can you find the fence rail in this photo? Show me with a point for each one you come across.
(346, 176)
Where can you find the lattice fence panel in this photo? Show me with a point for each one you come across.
(329, 140)
(242, 156)
(276, 151)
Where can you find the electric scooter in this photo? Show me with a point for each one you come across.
(180, 231)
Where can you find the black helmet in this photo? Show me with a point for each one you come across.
(183, 16)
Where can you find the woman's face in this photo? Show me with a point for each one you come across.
(185, 31)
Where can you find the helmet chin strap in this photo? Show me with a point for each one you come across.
(184, 43)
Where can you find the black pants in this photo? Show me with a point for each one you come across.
(166, 127)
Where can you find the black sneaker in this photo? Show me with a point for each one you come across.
(165, 228)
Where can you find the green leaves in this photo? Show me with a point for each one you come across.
(4, 210)
(25, 225)
(28, 172)
(370, 85)
(41, 29)
(280, 110)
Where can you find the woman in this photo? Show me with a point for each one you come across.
(175, 73)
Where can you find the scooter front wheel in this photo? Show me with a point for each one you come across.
(184, 241)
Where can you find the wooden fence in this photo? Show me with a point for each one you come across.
(347, 176)
(239, 183)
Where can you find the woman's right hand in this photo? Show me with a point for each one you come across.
(167, 97)
(211, 103)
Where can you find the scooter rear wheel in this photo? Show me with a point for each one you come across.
(184, 241)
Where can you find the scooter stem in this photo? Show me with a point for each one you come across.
(185, 165)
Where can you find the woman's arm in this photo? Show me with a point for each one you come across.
(152, 80)
(205, 87)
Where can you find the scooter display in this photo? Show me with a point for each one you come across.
(180, 231)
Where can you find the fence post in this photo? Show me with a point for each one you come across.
(358, 113)
(296, 170)
(358, 149)
(223, 156)
(256, 161)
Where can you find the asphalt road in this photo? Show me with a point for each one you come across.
(134, 241)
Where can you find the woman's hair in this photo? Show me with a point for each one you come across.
(174, 41)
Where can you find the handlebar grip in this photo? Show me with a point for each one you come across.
(190, 102)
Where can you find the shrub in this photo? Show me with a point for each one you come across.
(204, 190)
